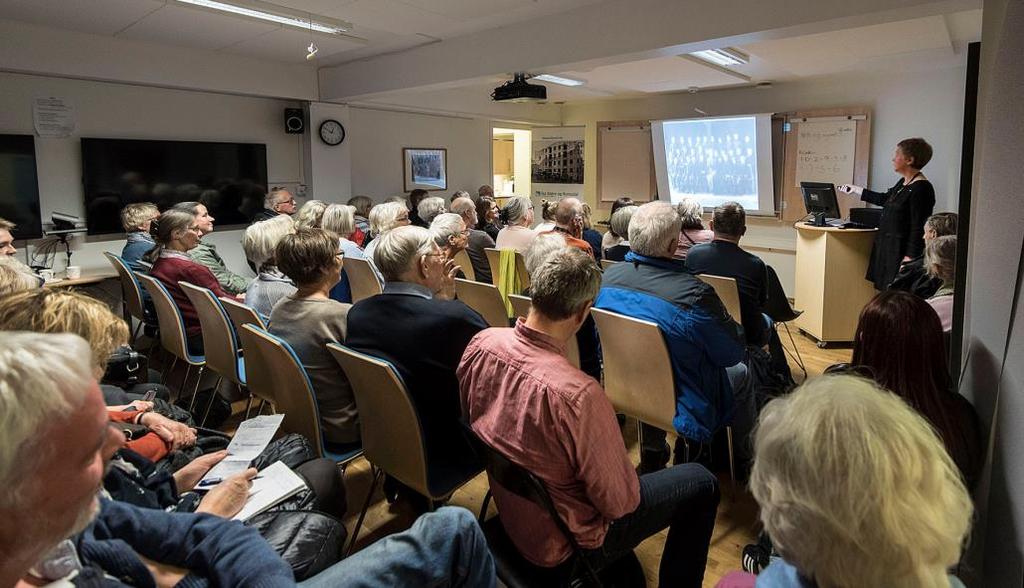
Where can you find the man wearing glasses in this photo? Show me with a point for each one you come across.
(279, 201)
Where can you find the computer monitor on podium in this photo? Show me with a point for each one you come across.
(820, 198)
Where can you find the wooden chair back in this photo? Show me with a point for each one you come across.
(361, 279)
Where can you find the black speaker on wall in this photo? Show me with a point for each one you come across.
(294, 122)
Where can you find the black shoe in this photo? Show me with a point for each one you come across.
(755, 558)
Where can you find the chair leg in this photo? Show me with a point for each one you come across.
(167, 372)
(798, 358)
(248, 405)
(378, 475)
(483, 507)
(135, 333)
(213, 395)
(732, 458)
(195, 392)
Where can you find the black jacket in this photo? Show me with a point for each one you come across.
(900, 229)
(729, 260)
(913, 278)
(424, 339)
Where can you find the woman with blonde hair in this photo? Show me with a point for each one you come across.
(340, 219)
(693, 231)
(258, 242)
(855, 489)
(940, 263)
(15, 277)
(310, 215)
(383, 218)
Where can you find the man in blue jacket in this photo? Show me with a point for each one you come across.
(705, 346)
(56, 441)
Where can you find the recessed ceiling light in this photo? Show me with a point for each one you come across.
(724, 56)
(558, 80)
(272, 13)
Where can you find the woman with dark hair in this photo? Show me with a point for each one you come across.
(176, 233)
(487, 214)
(899, 343)
(415, 197)
(905, 208)
(611, 238)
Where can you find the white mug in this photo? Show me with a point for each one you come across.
(74, 272)
(46, 275)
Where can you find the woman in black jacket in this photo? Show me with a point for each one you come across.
(906, 207)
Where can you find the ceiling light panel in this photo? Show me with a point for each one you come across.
(277, 14)
(724, 57)
(557, 80)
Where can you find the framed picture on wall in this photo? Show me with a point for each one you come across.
(425, 168)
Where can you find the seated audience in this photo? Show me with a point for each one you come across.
(279, 201)
(362, 204)
(724, 257)
(340, 219)
(451, 235)
(418, 327)
(488, 214)
(620, 224)
(543, 246)
(258, 242)
(523, 398)
(136, 218)
(590, 235)
(430, 207)
(568, 216)
(383, 218)
(310, 214)
(611, 238)
(547, 215)
(940, 261)
(899, 343)
(176, 233)
(913, 276)
(460, 194)
(15, 277)
(477, 240)
(485, 191)
(693, 233)
(704, 344)
(308, 320)
(57, 530)
(205, 252)
(415, 197)
(6, 238)
(855, 489)
(516, 216)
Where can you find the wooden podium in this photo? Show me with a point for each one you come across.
(830, 285)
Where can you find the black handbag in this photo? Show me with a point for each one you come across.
(126, 368)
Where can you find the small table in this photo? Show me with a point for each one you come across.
(830, 285)
(86, 279)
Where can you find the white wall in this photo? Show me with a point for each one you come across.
(136, 112)
(925, 103)
(328, 169)
(379, 136)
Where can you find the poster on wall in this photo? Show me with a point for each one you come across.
(425, 169)
(557, 166)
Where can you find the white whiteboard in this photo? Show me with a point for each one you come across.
(825, 151)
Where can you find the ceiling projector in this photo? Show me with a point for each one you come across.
(518, 90)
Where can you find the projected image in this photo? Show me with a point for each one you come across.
(712, 158)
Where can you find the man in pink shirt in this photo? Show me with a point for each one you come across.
(523, 398)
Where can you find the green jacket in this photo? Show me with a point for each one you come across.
(206, 254)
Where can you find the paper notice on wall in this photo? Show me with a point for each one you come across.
(53, 117)
(557, 163)
(825, 151)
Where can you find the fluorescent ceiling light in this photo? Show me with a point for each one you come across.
(558, 80)
(723, 57)
(284, 19)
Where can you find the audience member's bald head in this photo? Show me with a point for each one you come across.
(568, 210)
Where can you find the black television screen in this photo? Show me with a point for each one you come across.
(229, 178)
(19, 186)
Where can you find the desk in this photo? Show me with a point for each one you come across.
(87, 279)
(830, 284)
(103, 285)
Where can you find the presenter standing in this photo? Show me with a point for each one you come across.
(905, 208)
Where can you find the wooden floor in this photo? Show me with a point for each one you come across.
(735, 526)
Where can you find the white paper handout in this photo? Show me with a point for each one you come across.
(53, 117)
(275, 483)
(249, 441)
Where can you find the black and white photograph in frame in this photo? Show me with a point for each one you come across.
(425, 168)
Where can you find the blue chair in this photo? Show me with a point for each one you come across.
(131, 295)
(275, 374)
(172, 332)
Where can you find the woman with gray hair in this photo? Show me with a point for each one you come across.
(383, 218)
(693, 231)
(940, 262)
(430, 207)
(258, 242)
(340, 220)
(620, 225)
(517, 216)
(855, 489)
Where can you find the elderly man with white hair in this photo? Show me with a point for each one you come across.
(478, 240)
(418, 326)
(705, 346)
(56, 444)
(277, 202)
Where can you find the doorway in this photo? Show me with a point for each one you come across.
(510, 165)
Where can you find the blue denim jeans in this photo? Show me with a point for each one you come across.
(683, 498)
(443, 548)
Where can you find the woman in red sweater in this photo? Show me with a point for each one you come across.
(175, 233)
